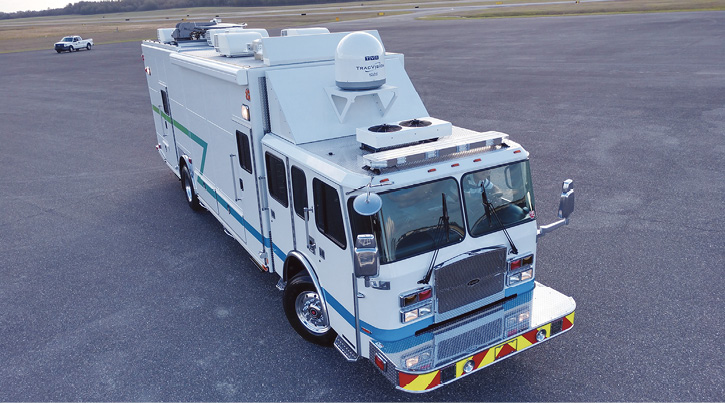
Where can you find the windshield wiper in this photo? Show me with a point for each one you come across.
(489, 208)
(443, 222)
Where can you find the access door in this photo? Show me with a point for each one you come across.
(166, 136)
(282, 228)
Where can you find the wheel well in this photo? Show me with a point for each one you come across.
(292, 267)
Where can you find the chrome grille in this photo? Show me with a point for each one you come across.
(469, 282)
(476, 337)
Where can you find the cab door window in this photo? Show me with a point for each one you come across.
(328, 213)
(299, 191)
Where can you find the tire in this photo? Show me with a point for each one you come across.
(71, 49)
(88, 46)
(303, 309)
(58, 50)
(187, 185)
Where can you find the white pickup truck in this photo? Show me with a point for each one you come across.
(71, 43)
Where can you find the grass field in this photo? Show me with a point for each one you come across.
(581, 8)
(41, 32)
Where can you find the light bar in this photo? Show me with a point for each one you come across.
(465, 141)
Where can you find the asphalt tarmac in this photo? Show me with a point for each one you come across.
(111, 288)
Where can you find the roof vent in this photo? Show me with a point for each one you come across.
(359, 62)
(415, 123)
(385, 128)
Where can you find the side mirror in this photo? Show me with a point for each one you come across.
(367, 262)
(566, 202)
(566, 207)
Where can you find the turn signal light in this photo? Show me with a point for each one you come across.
(515, 264)
(425, 294)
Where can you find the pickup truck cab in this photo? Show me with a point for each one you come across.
(71, 43)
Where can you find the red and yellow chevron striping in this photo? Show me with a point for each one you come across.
(431, 380)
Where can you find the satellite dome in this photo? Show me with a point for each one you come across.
(359, 62)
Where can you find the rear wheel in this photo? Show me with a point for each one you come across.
(187, 184)
(304, 311)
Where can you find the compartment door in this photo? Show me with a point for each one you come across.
(167, 136)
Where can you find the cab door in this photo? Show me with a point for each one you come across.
(331, 256)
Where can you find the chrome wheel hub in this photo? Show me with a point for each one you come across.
(309, 311)
(187, 188)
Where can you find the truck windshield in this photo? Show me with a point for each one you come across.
(67, 39)
(412, 220)
(509, 191)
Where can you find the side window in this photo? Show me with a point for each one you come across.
(276, 179)
(245, 153)
(299, 191)
(165, 100)
(328, 214)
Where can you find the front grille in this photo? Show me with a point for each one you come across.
(476, 337)
(470, 282)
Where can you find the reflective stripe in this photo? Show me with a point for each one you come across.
(232, 211)
(430, 380)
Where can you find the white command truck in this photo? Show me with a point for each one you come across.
(71, 43)
(397, 236)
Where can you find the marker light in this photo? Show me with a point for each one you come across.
(381, 363)
(245, 112)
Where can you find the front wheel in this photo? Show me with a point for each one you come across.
(58, 50)
(187, 184)
(304, 311)
(88, 46)
(71, 49)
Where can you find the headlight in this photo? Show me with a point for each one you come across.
(521, 277)
(415, 313)
(418, 360)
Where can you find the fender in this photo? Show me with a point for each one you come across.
(185, 159)
(296, 255)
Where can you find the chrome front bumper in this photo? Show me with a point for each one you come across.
(453, 349)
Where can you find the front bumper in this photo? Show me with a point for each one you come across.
(61, 47)
(451, 350)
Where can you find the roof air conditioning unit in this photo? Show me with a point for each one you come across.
(164, 35)
(237, 44)
(397, 134)
(304, 31)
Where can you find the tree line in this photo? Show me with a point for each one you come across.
(123, 6)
